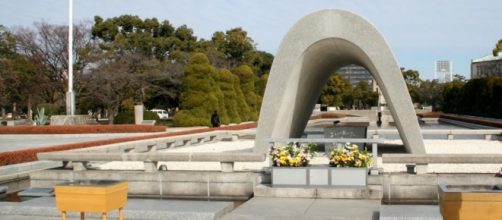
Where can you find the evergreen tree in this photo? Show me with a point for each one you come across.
(226, 84)
(222, 112)
(244, 110)
(336, 91)
(261, 85)
(199, 97)
(247, 80)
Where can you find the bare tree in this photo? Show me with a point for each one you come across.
(46, 47)
(113, 81)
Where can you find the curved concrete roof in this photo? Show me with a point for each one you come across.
(315, 47)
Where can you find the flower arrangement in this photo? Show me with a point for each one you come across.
(349, 156)
(292, 155)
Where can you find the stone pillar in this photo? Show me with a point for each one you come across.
(227, 167)
(14, 109)
(138, 114)
(79, 165)
(150, 166)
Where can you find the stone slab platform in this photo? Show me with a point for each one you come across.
(138, 209)
(295, 208)
(410, 212)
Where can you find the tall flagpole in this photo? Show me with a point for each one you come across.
(70, 97)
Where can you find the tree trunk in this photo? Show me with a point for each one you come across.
(111, 113)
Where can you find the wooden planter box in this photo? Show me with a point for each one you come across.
(91, 196)
(319, 176)
(470, 202)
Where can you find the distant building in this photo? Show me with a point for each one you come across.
(443, 68)
(486, 66)
(354, 74)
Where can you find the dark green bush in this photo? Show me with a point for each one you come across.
(127, 117)
(50, 109)
(479, 97)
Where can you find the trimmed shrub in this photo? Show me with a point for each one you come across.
(243, 108)
(247, 80)
(226, 84)
(201, 95)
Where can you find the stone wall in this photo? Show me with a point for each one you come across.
(71, 119)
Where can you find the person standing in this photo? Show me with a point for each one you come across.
(215, 119)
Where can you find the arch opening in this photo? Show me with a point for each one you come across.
(313, 48)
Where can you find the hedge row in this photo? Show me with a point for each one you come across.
(328, 115)
(473, 119)
(27, 155)
(430, 114)
(465, 118)
(80, 129)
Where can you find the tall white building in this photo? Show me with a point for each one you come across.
(443, 70)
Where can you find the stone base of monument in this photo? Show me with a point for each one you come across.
(319, 176)
(346, 192)
(165, 184)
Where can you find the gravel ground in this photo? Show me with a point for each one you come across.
(431, 146)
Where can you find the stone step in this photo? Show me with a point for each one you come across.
(139, 209)
(397, 212)
(368, 192)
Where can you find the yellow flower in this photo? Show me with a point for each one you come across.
(358, 163)
(362, 157)
(282, 153)
(345, 158)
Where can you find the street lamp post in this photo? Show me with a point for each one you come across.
(70, 96)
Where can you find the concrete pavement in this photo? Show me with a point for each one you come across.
(296, 208)
(44, 208)
(12, 142)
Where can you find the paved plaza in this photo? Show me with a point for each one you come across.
(257, 208)
(12, 142)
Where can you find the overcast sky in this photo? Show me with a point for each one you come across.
(419, 31)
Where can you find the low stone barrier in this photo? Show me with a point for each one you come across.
(450, 134)
(420, 161)
(71, 119)
(148, 152)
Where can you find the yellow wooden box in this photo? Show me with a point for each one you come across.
(91, 196)
(469, 202)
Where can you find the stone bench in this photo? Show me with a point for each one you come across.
(227, 160)
(148, 122)
(420, 161)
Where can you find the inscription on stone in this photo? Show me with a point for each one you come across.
(345, 132)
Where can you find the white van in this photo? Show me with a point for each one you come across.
(161, 113)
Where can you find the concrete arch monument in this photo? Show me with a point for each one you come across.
(315, 47)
